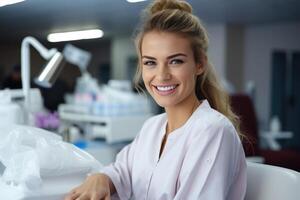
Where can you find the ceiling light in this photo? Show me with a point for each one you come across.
(75, 35)
(135, 1)
(8, 2)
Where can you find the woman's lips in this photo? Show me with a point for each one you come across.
(165, 90)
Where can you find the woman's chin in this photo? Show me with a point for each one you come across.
(164, 104)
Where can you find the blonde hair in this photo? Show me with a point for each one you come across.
(176, 17)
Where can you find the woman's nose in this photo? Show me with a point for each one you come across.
(163, 73)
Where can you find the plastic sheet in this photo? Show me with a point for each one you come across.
(33, 158)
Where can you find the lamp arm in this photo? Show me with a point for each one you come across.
(25, 67)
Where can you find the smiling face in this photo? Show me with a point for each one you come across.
(169, 69)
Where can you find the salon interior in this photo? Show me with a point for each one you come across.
(67, 68)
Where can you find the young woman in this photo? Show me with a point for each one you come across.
(193, 150)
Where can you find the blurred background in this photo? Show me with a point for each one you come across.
(254, 46)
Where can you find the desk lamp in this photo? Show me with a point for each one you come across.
(53, 67)
(54, 59)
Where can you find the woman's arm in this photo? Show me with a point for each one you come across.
(214, 166)
(95, 187)
(114, 179)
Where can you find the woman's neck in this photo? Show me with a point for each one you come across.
(179, 114)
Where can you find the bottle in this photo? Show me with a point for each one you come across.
(275, 125)
(10, 112)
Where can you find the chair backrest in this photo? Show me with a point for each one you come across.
(266, 182)
(242, 106)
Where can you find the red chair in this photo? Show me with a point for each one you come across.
(243, 107)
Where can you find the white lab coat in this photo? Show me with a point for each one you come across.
(203, 159)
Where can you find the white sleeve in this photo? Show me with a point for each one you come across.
(214, 166)
(120, 171)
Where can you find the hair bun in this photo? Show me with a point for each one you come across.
(160, 5)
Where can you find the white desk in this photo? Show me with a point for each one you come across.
(105, 153)
(112, 128)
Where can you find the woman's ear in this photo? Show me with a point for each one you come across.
(200, 67)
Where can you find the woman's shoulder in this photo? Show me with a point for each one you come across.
(209, 119)
(214, 128)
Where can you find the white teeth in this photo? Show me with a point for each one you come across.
(167, 88)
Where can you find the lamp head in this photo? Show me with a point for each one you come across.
(51, 71)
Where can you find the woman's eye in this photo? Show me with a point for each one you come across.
(149, 63)
(176, 61)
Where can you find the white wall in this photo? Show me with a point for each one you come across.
(260, 41)
(217, 47)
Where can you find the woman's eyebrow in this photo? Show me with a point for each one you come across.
(149, 57)
(177, 54)
(169, 57)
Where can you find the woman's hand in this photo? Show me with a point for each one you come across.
(95, 187)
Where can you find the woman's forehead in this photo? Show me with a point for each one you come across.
(155, 42)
